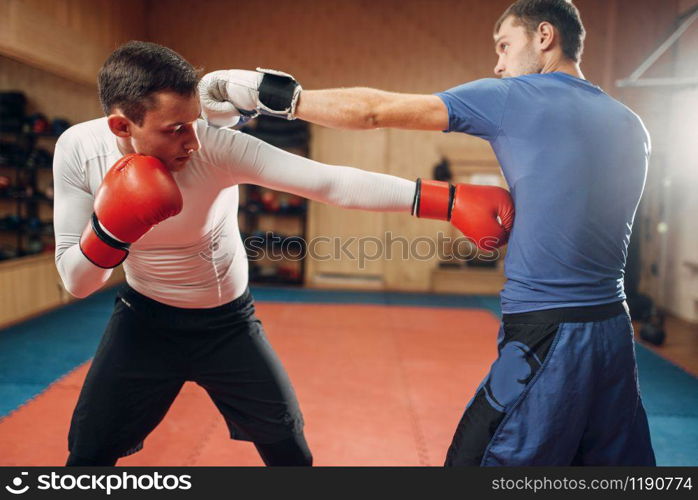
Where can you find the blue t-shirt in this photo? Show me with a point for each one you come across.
(575, 160)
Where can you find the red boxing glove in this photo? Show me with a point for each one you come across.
(471, 208)
(137, 193)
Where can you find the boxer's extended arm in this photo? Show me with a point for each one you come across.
(229, 95)
(365, 108)
(483, 213)
(72, 208)
(255, 162)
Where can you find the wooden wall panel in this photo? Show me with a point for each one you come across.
(31, 285)
(409, 46)
(70, 38)
(401, 45)
(50, 94)
(52, 50)
(413, 154)
(414, 46)
(365, 150)
(600, 18)
(642, 25)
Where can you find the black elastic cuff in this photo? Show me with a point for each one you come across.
(276, 92)
(100, 265)
(105, 237)
(451, 198)
(417, 193)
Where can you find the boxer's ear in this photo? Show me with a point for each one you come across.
(119, 125)
(545, 35)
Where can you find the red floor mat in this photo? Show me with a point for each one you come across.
(378, 385)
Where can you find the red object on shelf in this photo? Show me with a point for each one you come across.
(270, 201)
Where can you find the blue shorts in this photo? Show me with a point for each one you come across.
(563, 391)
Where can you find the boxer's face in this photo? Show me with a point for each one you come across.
(168, 131)
(516, 49)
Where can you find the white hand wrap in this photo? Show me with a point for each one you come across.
(228, 95)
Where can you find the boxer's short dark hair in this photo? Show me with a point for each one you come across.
(135, 71)
(560, 13)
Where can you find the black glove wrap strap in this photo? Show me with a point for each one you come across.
(451, 199)
(102, 234)
(276, 92)
(418, 195)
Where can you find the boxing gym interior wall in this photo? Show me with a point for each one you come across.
(433, 51)
(51, 50)
(422, 46)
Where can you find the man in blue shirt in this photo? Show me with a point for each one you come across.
(563, 389)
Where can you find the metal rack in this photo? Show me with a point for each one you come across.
(635, 79)
(23, 158)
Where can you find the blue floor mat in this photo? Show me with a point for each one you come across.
(671, 400)
(37, 352)
(274, 294)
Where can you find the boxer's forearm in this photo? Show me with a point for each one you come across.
(351, 108)
(252, 161)
(228, 94)
(365, 108)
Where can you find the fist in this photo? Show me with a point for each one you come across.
(230, 96)
(485, 214)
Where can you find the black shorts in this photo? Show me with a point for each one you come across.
(150, 349)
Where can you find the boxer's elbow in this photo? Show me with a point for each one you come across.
(369, 112)
(79, 279)
(364, 116)
(351, 109)
(75, 287)
(378, 114)
(372, 121)
(79, 293)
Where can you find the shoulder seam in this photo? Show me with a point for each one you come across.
(504, 110)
